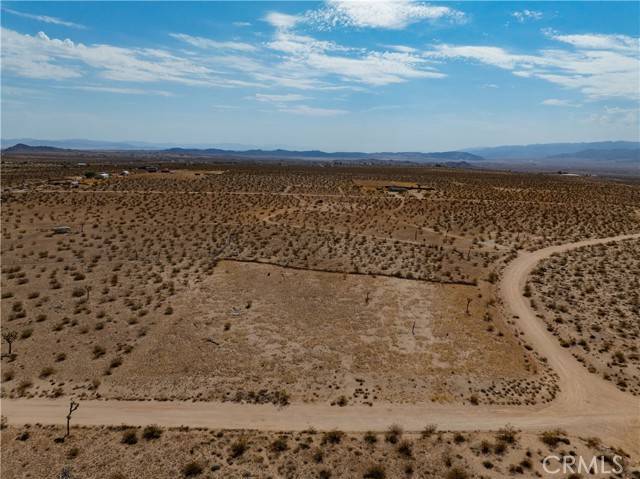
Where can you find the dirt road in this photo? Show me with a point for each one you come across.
(587, 405)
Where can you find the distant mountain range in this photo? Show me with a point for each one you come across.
(617, 154)
(82, 144)
(553, 150)
(596, 157)
(448, 156)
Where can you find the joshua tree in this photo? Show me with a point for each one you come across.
(72, 407)
(9, 337)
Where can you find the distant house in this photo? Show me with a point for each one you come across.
(124, 173)
(102, 176)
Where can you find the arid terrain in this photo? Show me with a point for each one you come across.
(590, 299)
(330, 287)
(151, 452)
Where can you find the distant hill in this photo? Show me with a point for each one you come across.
(323, 155)
(444, 156)
(22, 148)
(618, 155)
(94, 145)
(537, 151)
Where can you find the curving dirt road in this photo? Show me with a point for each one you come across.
(587, 405)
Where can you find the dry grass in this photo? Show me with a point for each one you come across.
(145, 261)
(590, 300)
(102, 453)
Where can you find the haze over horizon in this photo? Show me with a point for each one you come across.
(333, 76)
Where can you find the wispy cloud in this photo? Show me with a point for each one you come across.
(616, 116)
(559, 102)
(122, 91)
(42, 57)
(596, 41)
(206, 43)
(286, 98)
(43, 18)
(599, 66)
(311, 111)
(524, 15)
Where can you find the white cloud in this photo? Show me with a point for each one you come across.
(374, 68)
(206, 43)
(44, 18)
(596, 72)
(599, 42)
(311, 111)
(616, 116)
(289, 97)
(42, 57)
(282, 20)
(393, 14)
(524, 15)
(402, 48)
(123, 91)
(559, 102)
(308, 59)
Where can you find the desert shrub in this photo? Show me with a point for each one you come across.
(73, 453)
(7, 375)
(332, 437)
(405, 448)
(457, 473)
(500, 448)
(98, 351)
(151, 432)
(429, 430)
(238, 448)
(370, 438)
(375, 472)
(129, 437)
(24, 385)
(393, 434)
(192, 469)
(280, 444)
(554, 437)
(507, 434)
(46, 372)
(485, 447)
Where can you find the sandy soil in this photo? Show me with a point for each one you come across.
(586, 404)
(100, 453)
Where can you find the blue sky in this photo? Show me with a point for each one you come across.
(330, 75)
